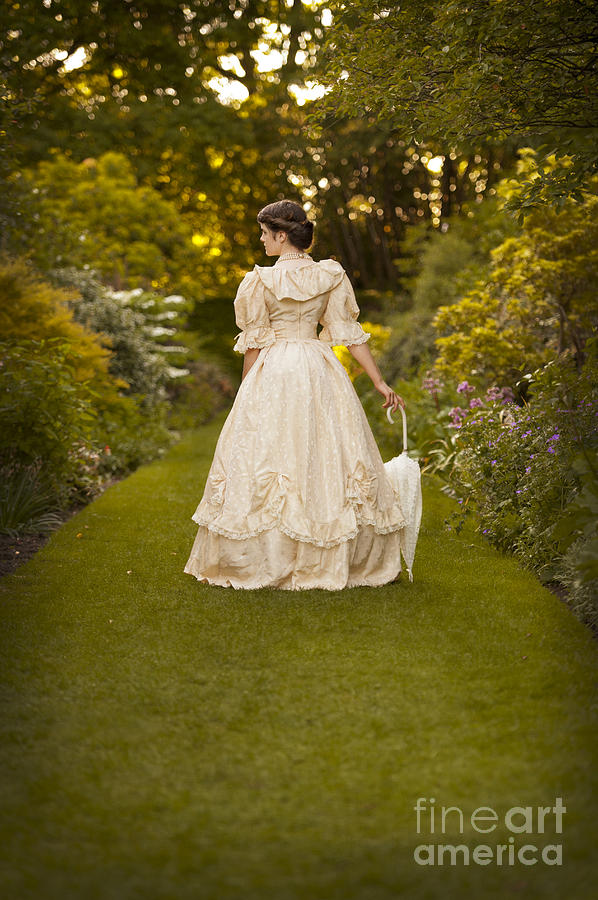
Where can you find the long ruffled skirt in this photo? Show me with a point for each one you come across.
(297, 496)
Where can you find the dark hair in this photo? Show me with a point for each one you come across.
(290, 217)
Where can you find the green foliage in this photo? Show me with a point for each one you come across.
(128, 434)
(73, 435)
(140, 327)
(45, 411)
(62, 409)
(33, 309)
(444, 258)
(134, 325)
(95, 215)
(538, 300)
(532, 473)
(572, 574)
(410, 346)
(461, 73)
(580, 519)
(368, 186)
(534, 308)
(440, 266)
(153, 57)
(207, 158)
(454, 258)
(153, 84)
(377, 343)
(27, 505)
(555, 178)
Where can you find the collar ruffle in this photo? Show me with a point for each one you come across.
(301, 282)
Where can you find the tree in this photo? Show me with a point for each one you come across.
(165, 86)
(537, 302)
(151, 83)
(479, 71)
(95, 215)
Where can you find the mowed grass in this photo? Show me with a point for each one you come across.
(166, 739)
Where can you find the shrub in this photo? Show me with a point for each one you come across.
(532, 474)
(133, 356)
(33, 309)
(538, 300)
(61, 407)
(44, 410)
(27, 504)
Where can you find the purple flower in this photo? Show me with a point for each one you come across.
(492, 462)
(551, 449)
(492, 393)
(456, 414)
(431, 384)
(465, 388)
(475, 401)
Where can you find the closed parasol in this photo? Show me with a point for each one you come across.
(405, 475)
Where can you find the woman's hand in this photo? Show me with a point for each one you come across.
(363, 355)
(391, 399)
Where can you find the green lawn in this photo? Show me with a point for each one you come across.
(166, 739)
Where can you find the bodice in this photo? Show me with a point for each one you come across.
(294, 319)
(277, 303)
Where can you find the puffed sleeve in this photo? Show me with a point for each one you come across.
(251, 315)
(339, 319)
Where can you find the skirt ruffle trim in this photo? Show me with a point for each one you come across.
(285, 529)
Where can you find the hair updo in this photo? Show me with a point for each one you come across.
(290, 217)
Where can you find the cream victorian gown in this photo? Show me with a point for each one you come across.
(297, 496)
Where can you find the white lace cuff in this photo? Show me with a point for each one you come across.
(256, 338)
(343, 333)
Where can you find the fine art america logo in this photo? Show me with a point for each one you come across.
(519, 820)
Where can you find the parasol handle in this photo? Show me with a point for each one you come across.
(391, 420)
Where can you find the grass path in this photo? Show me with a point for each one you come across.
(167, 740)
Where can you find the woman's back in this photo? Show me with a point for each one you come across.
(284, 302)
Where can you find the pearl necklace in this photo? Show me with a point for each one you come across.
(294, 256)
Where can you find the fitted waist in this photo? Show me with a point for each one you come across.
(298, 331)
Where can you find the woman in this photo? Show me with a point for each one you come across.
(297, 496)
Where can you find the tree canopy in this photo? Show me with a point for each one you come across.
(208, 104)
(464, 71)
